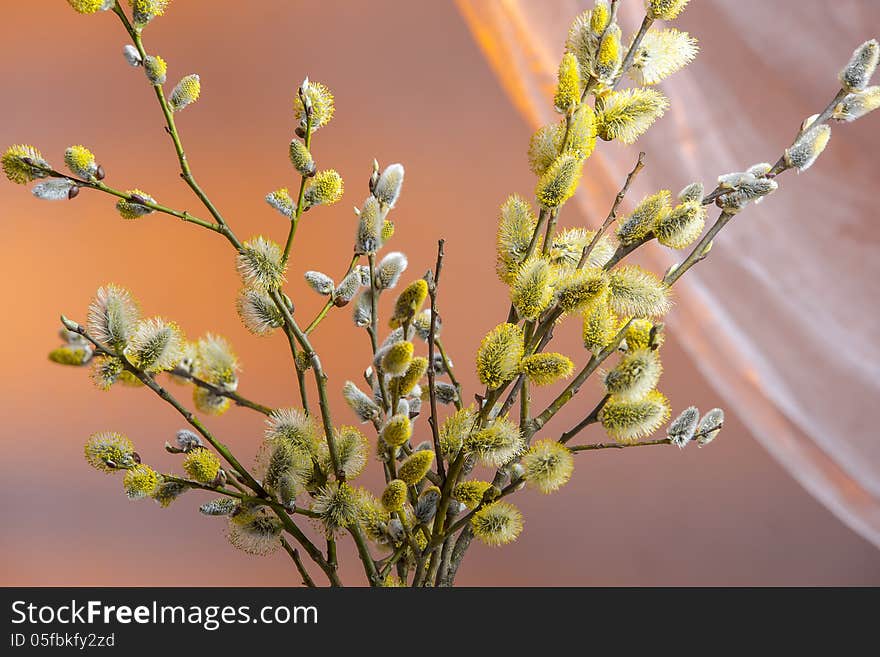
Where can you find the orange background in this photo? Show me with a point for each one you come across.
(411, 86)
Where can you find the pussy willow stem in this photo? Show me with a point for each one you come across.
(328, 305)
(434, 420)
(320, 380)
(294, 554)
(171, 128)
(100, 186)
(364, 553)
(233, 396)
(592, 418)
(294, 223)
(698, 253)
(617, 445)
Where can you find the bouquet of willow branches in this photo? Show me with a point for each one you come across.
(418, 528)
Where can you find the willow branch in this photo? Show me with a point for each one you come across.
(222, 392)
(294, 554)
(171, 129)
(432, 338)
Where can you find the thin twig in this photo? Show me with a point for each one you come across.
(433, 420)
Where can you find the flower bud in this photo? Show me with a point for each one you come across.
(185, 93)
(857, 74)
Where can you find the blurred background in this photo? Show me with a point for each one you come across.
(412, 84)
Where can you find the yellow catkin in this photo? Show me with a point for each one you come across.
(499, 355)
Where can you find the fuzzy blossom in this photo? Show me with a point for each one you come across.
(627, 115)
(143, 11)
(660, 54)
(202, 465)
(168, 491)
(497, 444)
(642, 221)
(222, 506)
(808, 147)
(627, 421)
(131, 54)
(134, 206)
(753, 190)
(81, 162)
(470, 493)
(155, 345)
(499, 355)
(515, 228)
(319, 99)
(559, 182)
(207, 401)
(600, 325)
(347, 288)
(415, 467)
(583, 39)
(293, 426)
(301, 158)
(351, 451)
(371, 217)
(857, 105)
(422, 325)
(681, 226)
(857, 74)
(497, 524)
(186, 92)
(387, 189)
(532, 290)
(259, 264)
(568, 87)
(55, 189)
(643, 334)
(112, 315)
(319, 282)
(455, 430)
(90, 6)
(394, 495)
(389, 269)
(709, 427)
(257, 311)
(547, 466)
(397, 430)
(70, 354)
(156, 70)
(407, 382)
(109, 451)
(682, 429)
(581, 288)
(568, 247)
(426, 506)
(140, 481)
(215, 362)
(338, 506)
(636, 292)
(326, 188)
(544, 369)
(397, 357)
(665, 10)
(693, 192)
(635, 375)
(254, 531)
(610, 56)
(361, 403)
(23, 163)
(281, 200)
(409, 303)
